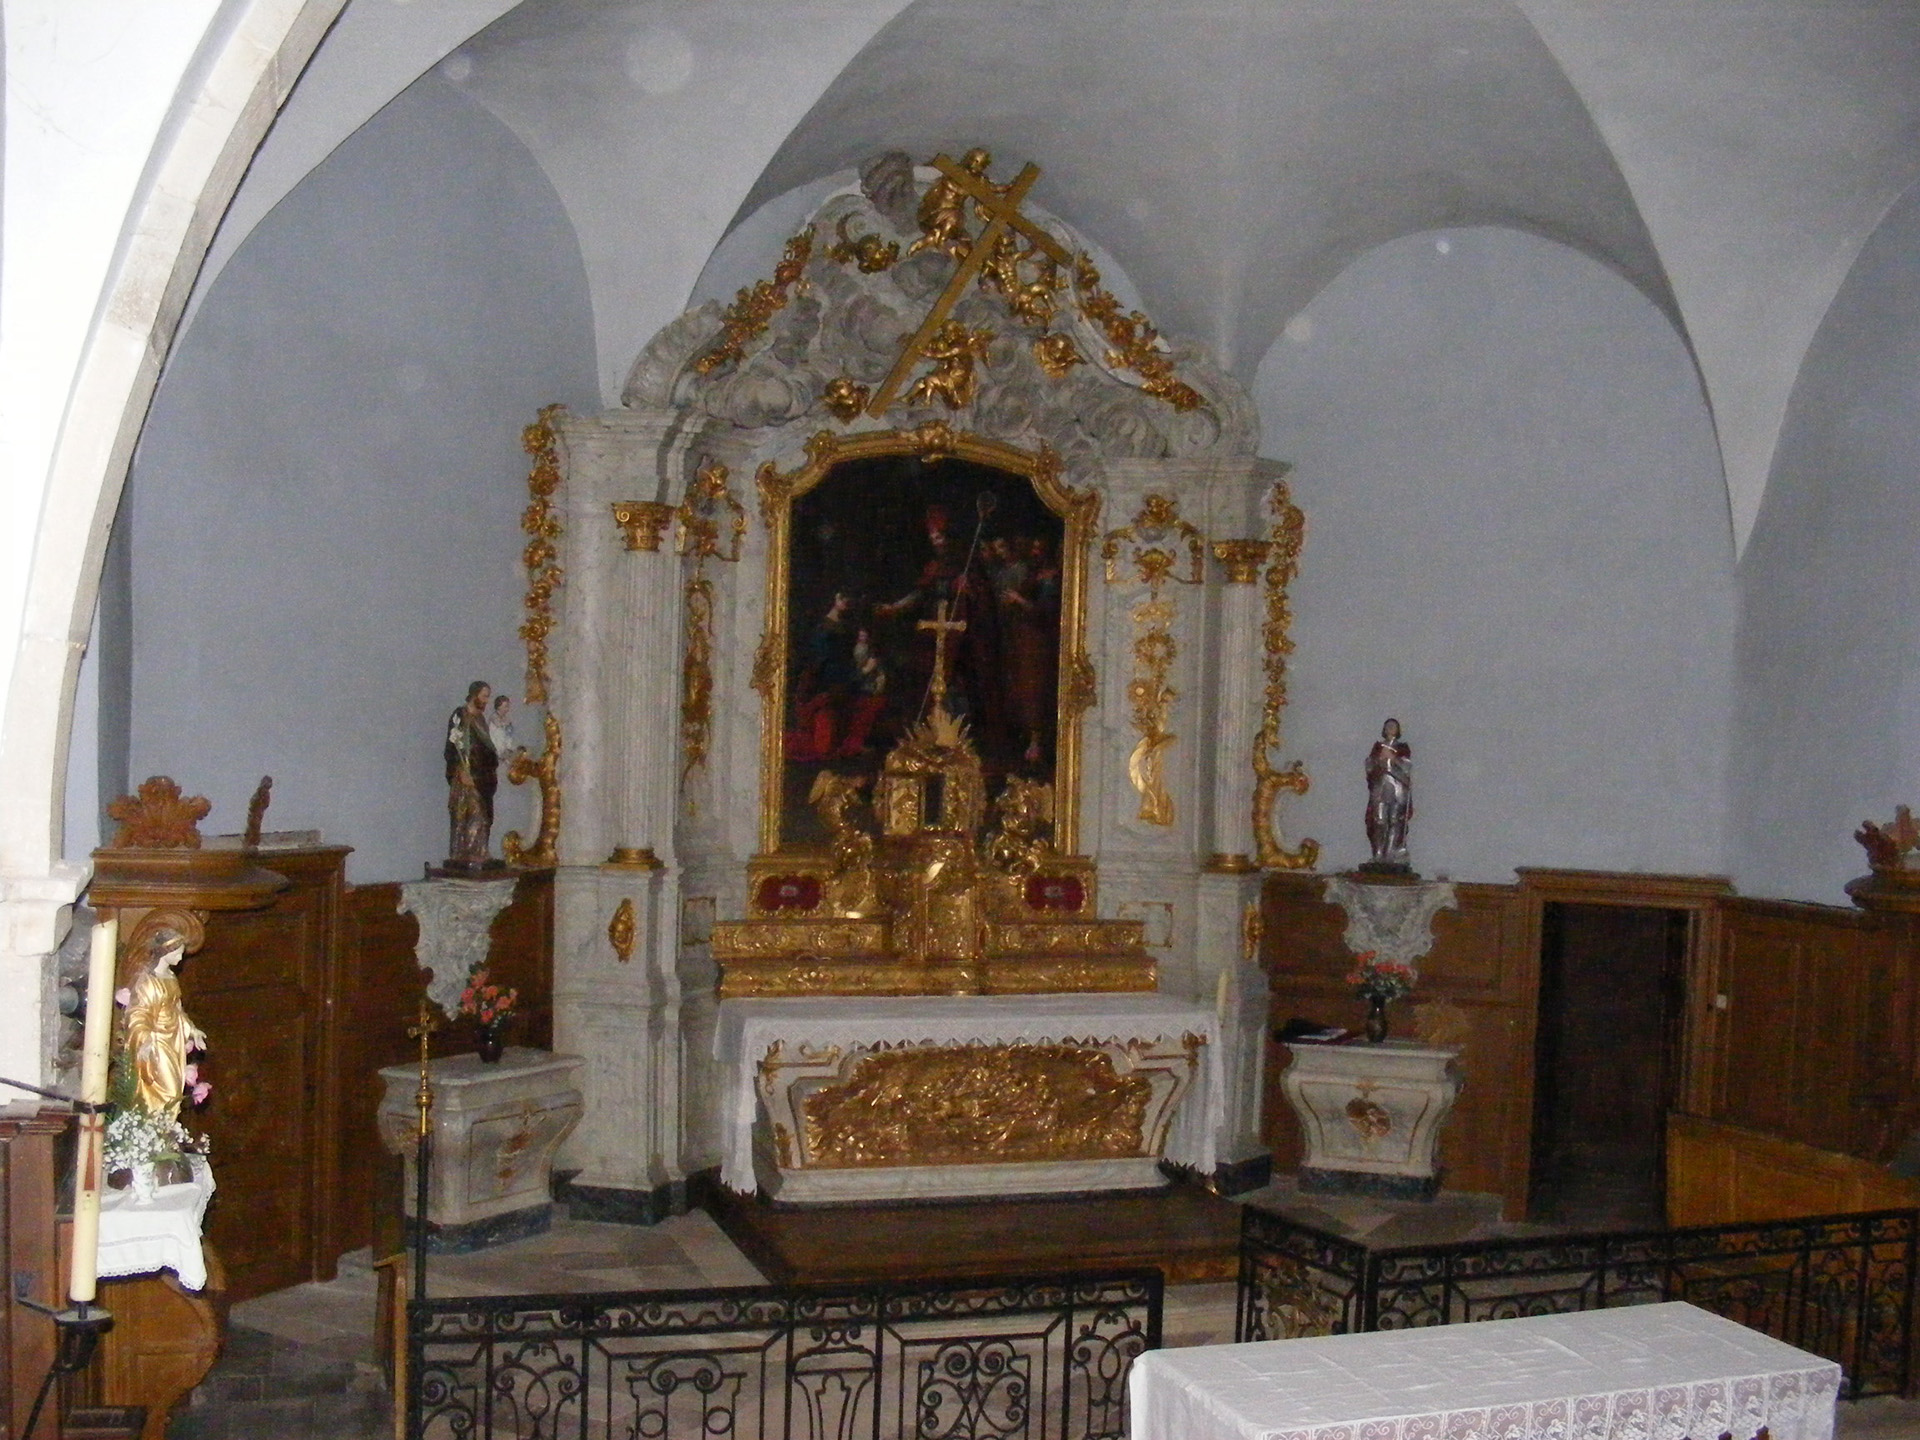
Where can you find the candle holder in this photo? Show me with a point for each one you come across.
(77, 1331)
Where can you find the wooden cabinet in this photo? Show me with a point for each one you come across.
(265, 987)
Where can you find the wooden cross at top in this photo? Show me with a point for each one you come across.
(942, 628)
(1002, 209)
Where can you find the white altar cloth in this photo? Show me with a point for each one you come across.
(1650, 1372)
(749, 1029)
(161, 1234)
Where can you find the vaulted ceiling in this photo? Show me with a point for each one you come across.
(1728, 157)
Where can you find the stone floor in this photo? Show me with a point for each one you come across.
(300, 1364)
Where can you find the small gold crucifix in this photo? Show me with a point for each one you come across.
(1002, 212)
(942, 629)
(424, 1033)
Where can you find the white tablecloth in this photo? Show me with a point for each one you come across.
(749, 1029)
(1640, 1372)
(163, 1234)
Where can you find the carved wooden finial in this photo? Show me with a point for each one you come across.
(257, 812)
(158, 817)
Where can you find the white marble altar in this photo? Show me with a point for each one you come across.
(1371, 1116)
(777, 1054)
(657, 664)
(495, 1130)
(1624, 1374)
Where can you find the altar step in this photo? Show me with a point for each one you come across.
(1189, 1233)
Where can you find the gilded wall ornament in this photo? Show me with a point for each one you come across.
(642, 522)
(711, 520)
(753, 307)
(620, 930)
(696, 677)
(541, 557)
(1158, 540)
(1151, 700)
(1160, 546)
(1134, 340)
(712, 524)
(1057, 355)
(1271, 780)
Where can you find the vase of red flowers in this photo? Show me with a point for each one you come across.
(1379, 982)
(488, 1006)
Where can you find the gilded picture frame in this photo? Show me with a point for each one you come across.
(781, 491)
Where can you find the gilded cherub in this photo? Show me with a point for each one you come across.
(953, 349)
(943, 211)
(1025, 809)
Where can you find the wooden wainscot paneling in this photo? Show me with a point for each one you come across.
(383, 992)
(1806, 1041)
(1477, 993)
(1720, 1174)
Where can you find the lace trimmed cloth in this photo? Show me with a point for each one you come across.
(1640, 1372)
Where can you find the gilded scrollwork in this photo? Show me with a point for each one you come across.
(711, 521)
(1272, 780)
(545, 769)
(754, 306)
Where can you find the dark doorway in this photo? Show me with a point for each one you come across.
(1606, 1064)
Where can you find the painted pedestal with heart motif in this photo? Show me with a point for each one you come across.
(1371, 1116)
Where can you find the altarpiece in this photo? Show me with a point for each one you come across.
(916, 627)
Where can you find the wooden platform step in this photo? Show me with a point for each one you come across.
(1189, 1233)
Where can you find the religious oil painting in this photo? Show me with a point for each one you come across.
(904, 572)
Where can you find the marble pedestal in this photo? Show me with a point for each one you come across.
(1370, 1115)
(495, 1130)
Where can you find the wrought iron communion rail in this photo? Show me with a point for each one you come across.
(1040, 1358)
(1840, 1286)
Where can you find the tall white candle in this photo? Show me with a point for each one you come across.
(96, 1042)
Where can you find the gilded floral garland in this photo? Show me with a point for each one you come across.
(754, 306)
